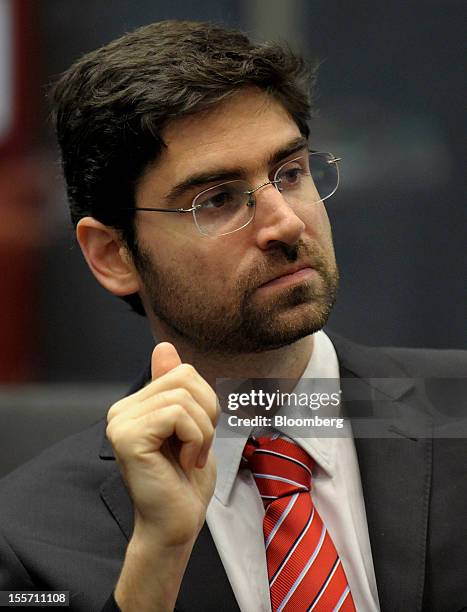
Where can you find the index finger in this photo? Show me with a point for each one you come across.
(184, 376)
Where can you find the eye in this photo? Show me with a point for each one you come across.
(292, 174)
(217, 199)
(225, 198)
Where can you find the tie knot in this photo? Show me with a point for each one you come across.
(279, 467)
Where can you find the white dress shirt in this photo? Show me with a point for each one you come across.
(235, 513)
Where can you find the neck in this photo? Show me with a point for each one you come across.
(286, 362)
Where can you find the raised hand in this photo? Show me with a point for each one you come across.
(162, 437)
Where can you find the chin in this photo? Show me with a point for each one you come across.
(285, 328)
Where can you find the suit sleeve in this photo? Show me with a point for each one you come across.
(111, 605)
(13, 575)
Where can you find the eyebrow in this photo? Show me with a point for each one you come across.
(215, 176)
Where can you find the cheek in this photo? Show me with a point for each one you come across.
(167, 234)
(317, 221)
(216, 270)
(208, 263)
(325, 222)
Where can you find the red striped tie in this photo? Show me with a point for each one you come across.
(304, 569)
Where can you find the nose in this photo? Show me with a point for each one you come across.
(275, 220)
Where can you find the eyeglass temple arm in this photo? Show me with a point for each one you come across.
(169, 210)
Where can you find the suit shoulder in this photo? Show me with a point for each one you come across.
(399, 361)
(62, 468)
(442, 363)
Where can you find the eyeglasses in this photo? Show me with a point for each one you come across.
(229, 207)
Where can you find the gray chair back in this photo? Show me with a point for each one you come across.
(32, 417)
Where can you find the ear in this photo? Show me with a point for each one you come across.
(107, 257)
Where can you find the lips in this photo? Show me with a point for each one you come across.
(296, 273)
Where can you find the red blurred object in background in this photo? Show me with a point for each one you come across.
(22, 191)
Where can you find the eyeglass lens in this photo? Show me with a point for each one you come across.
(226, 208)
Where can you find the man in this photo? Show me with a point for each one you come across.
(185, 151)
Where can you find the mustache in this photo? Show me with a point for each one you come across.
(282, 254)
(291, 252)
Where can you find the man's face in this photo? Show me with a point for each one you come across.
(229, 294)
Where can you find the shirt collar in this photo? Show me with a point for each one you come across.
(228, 447)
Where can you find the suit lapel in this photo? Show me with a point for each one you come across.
(205, 585)
(115, 496)
(395, 469)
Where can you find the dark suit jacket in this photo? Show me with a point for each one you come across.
(65, 517)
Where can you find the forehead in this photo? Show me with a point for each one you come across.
(242, 130)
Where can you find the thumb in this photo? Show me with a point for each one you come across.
(164, 358)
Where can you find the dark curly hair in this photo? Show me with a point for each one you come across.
(111, 106)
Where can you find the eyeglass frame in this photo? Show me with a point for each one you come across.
(250, 192)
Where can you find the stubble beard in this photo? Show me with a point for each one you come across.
(246, 325)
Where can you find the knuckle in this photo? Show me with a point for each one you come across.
(172, 411)
(187, 370)
(196, 435)
(164, 397)
(114, 410)
(212, 407)
(115, 437)
(177, 410)
(109, 431)
(152, 419)
(183, 395)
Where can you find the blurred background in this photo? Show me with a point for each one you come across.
(391, 95)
